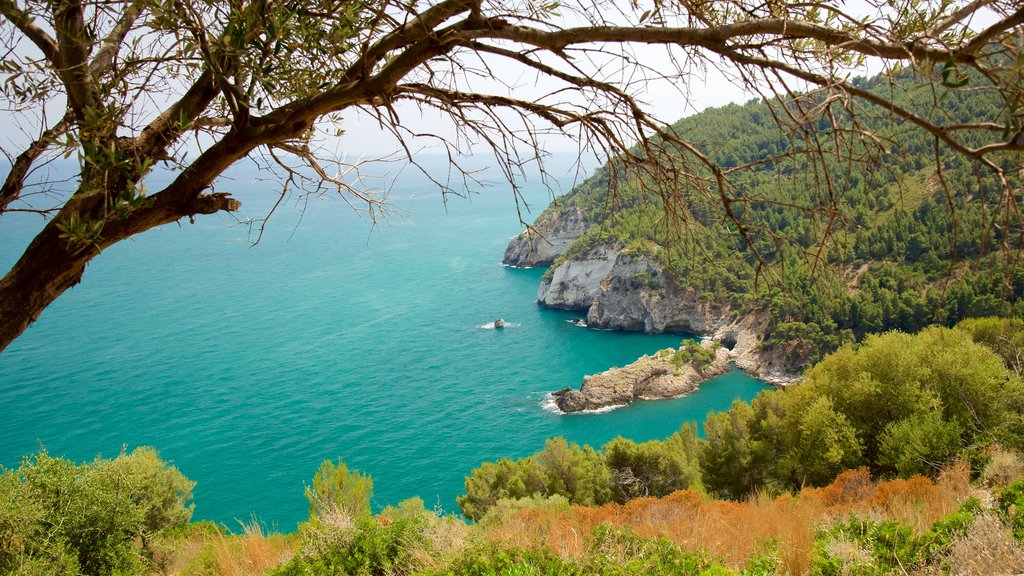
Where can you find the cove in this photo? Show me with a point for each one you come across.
(248, 365)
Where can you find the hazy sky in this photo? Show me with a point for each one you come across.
(664, 100)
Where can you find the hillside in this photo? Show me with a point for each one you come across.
(854, 230)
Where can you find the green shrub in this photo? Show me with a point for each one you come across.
(867, 548)
(578, 473)
(335, 487)
(100, 517)
(364, 547)
(1011, 508)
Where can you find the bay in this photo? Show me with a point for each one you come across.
(247, 366)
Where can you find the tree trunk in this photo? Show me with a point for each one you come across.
(44, 272)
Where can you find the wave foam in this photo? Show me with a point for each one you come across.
(490, 325)
(548, 404)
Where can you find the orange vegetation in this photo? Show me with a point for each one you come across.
(734, 531)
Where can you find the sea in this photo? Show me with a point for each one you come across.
(336, 335)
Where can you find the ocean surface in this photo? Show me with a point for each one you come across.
(246, 366)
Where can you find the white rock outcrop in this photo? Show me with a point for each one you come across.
(548, 238)
(574, 284)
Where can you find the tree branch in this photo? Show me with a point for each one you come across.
(72, 54)
(15, 180)
(103, 59)
(717, 38)
(23, 22)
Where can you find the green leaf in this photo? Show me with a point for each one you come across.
(950, 77)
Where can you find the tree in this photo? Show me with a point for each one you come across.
(336, 488)
(137, 82)
(100, 517)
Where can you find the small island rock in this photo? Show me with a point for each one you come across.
(649, 378)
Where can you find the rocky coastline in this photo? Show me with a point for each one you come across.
(649, 378)
(622, 290)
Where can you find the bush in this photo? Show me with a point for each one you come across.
(353, 547)
(1011, 508)
(335, 487)
(864, 547)
(868, 548)
(1003, 467)
(692, 352)
(101, 517)
(578, 473)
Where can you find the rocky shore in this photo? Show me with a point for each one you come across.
(649, 378)
(622, 290)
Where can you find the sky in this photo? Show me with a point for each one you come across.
(363, 138)
(665, 100)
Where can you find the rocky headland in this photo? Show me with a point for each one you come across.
(548, 238)
(664, 375)
(620, 289)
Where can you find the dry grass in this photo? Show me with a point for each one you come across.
(251, 552)
(988, 547)
(736, 530)
(247, 554)
(444, 540)
(1004, 466)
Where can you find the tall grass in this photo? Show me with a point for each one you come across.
(735, 531)
(213, 552)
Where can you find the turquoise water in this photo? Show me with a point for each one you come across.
(247, 366)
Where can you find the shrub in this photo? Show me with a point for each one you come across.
(863, 547)
(335, 487)
(100, 517)
(1011, 508)
(1003, 467)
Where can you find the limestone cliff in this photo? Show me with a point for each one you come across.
(630, 290)
(624, 291)
(549, 237)
(649, 378)
(574, 284)
(637, 295)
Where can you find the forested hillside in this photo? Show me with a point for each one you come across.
(854, 226)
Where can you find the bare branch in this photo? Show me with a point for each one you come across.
(15, 180)
(23, 22)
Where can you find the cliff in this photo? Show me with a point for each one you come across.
(663, 375)
(549, 237)
(620, 290)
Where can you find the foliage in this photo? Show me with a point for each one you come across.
(653, 468)
(919, 444)
(370, 546)
(623, 469)
(867, 548)
(1011, 507)
(897, 403)
(694, 353)
(95, 518)
(610, 551)
(337, 488)
(910, 243)
(1005, 336)
(577, 473)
